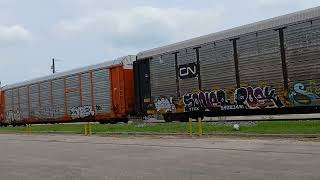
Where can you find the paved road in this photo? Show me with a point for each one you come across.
(71, 157)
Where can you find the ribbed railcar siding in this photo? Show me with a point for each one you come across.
(23, 92)
(101, 89)
(15, 99)
(303, 52)
(186, 56)
(249, 28)
(34, 100)
(163, 76)
(73, 93)
(260, 60)
(8, 98)
(58, 97)
(45, 100)
(86, 89)
(217, 65)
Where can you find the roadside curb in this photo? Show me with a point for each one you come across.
(215, 135)
(248, 135)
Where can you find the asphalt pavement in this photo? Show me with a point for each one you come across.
(76, 157)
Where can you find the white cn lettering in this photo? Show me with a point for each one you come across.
(187, 70)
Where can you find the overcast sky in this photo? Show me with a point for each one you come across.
(84, 32)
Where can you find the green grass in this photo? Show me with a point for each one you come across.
(282, 127)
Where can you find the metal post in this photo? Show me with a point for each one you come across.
(28, 128)
(53, 66)
(190, 126)
(85, 129)
(90, 128)
(200, 125)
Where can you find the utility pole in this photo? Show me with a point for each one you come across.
(53, 67)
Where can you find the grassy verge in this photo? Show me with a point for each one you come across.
(282, 127)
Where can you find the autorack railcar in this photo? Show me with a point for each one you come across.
(268, 67)
(102, 92)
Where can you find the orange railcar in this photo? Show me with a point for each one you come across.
(102, 92)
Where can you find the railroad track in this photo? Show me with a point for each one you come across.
(289, 117)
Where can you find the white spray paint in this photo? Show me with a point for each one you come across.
(81, 112)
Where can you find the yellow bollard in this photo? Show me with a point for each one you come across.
(29, 129)
(190, 126)
(85, 129)
(90, 128)
(200, 126)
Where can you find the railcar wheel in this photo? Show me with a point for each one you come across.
(168, 118)
(126, 120)
(113, 121)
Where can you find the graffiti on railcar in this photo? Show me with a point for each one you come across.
(247, 97)
(165, 105)
(312, 88)
(257, 98)
(81, 112)
(48, 111)
(244, 98)
(13, 116)
(302, 96)
(208, 101)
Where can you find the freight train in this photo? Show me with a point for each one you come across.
(95, 93)
(267, 67)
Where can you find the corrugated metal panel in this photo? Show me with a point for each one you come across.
(186, 56)
(8, 96)
(102, 97)
(260, 60)
(45, 100)
(34, 100)
(303, 52)
(126, 61)
(23, 92)
(15, 100)
(163, 76)
(234, 32)
(86, 89)
(217, 65)
(73, 92)
(58, 97)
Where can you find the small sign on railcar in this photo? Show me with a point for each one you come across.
(189, 70)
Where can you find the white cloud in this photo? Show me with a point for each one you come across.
(15, 33)
(288, 5)
(144, 23)
(85, 32)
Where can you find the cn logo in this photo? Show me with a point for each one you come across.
(188, 70)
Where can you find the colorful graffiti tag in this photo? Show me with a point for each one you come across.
(257, 98)
(165, 105)
(208, 101)
(244, 98)
(301, 96)
(81, 112)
